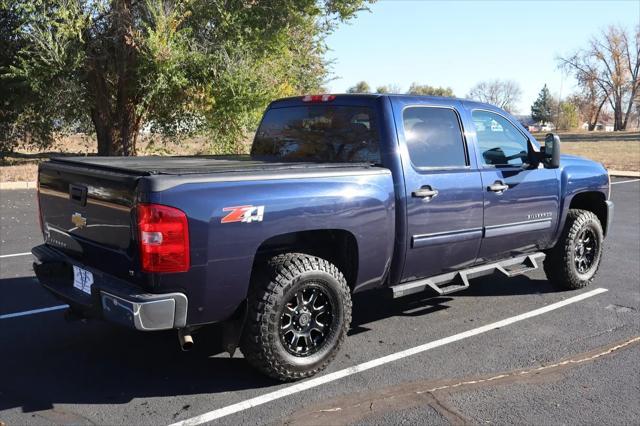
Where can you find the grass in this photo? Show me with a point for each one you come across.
(22, 165)
(616, 150)
(614, 155)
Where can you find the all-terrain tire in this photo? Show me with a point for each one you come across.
(285, 275)
(560, 263)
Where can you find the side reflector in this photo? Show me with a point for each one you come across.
(163, 235)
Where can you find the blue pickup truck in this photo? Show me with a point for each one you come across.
(340, 194)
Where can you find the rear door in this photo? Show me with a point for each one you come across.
(520, 205)
(443, 186)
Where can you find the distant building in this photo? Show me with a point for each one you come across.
(539, 127)
(534, 126)
(600, 126)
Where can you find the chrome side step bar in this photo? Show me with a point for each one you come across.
(457, 281)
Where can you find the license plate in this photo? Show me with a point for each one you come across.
(82, 279)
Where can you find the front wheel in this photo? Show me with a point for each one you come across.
(299, 316)
(575, 259)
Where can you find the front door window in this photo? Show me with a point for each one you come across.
(500, 143)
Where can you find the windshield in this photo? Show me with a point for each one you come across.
(318, 133)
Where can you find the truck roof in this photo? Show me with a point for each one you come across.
(354, 98)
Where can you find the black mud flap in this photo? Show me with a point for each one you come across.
(232, 329)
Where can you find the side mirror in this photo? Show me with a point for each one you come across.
(551, 158)
(533, 157)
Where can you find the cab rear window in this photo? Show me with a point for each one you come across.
(318, 133)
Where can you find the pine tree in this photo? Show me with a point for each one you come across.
(541, 110)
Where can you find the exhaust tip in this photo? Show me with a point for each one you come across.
(186, 340)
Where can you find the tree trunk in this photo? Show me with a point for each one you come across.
(617, 114)
(594, 122)
(125, 56)
(101, 111)
(632, 100)
(103, 133)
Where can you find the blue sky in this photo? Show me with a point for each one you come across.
(459, 43)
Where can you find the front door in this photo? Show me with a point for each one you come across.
(444, 190)
(520, 205)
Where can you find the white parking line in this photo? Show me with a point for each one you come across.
(625, 181)
(33, 311)
(15, 254)
(318, 381)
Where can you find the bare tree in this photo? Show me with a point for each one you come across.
(612, 62)
(590, 100)
(502, 93)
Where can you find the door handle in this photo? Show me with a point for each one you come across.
(498, 186)
(425, 192)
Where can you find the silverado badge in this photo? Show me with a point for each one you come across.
(79, 221)
(544, 215)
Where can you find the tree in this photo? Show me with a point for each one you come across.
(360, 87)
(542, 108)
(425, 89)
(501, 93)
(589, 100)
(389, 88)
(17, 118)
(612, 62)
(568, 118)
(174, 66)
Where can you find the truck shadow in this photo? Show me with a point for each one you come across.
(376, 305)
(47, 361)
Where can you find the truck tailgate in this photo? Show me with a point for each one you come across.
(88, 213)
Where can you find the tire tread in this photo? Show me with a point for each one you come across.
(256, 343)
(557, 264)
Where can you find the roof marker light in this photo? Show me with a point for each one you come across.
(318, 98)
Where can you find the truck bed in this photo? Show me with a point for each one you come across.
(188, 165)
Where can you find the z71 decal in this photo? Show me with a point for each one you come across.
(245, 214)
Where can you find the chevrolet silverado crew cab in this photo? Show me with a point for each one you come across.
(340, 194)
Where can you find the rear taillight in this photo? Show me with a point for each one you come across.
(163, 234)
(318, 98)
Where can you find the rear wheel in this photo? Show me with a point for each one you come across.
(299, 315)
(575, 259)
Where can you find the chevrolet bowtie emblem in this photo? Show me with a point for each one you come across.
(79, 221)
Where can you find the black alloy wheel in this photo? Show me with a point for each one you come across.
(586, 249)
(306, 320)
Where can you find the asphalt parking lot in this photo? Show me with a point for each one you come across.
(575, 361)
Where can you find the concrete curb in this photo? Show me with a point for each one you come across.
(34, 184)
(624, 173)
(18, 185)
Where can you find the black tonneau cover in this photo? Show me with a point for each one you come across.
(147, 166)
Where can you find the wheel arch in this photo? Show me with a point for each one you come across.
(593, 201)
(337, 246)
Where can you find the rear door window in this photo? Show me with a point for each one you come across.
(434, 137)
(318, 133)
